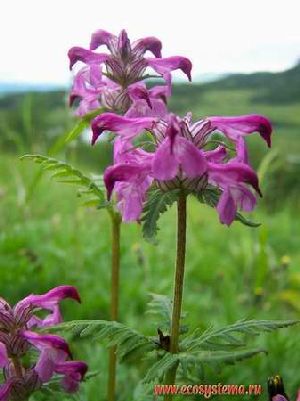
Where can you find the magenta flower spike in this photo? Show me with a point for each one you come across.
(182, 158)
(16, 341)
(113, 80)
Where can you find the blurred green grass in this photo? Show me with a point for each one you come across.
(233, 273)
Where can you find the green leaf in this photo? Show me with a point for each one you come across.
(265, 165)
(65, 173)
(82, 125)
(76, 131)
(143, 392)
(217, 356)
(158, 203)
(127, 340)
(242, 219)
(160, 307)
(232, 335)
(161, 367)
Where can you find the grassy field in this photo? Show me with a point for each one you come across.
(47, 239)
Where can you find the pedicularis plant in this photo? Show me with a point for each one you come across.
(24, 373)
(159, 159)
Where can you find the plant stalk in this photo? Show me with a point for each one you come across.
(114, 306)
(178, 288)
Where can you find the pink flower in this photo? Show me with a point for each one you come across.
(176, 152)
(17, 341)
(53, 350)
(233, 179)
(180, 160)
(113, 80)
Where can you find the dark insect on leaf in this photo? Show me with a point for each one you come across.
(164, 341)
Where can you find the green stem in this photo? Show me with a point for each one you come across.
(178, 287)
(114, 306)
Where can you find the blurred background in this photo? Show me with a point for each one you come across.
(246, 58)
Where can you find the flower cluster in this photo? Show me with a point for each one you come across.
(17, 339)
(184, 154)
(115, 80)
(184, 158)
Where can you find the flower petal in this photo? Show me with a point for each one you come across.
(279, 397)
(231, 174)
(3, 356)
(74, 372)
(160, 92)
(40, 341)
(234, 126)
(226, 208)
(140, 108)
(164, 66)
(48, 301)
(125, 126)
(86, 56)
(53, 350)
(246, 200)
(130, 182)
(123, 44)
(192, 160)
(122, 172)
(165, 164)
(216, 155)
(5, 390)
(101, 37)
(150, 43)
(139, 91)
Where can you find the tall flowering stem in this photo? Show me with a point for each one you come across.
(114, 306)
(178, 286)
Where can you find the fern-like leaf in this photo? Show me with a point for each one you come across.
(157, 203)
(65, 173)
(232, 335)
(161, 367)
(129, 342)
(160, 307)
(208, 357)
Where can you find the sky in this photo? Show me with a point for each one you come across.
(218, 36)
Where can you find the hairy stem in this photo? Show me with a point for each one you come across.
(178, 287)
(114, 306)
